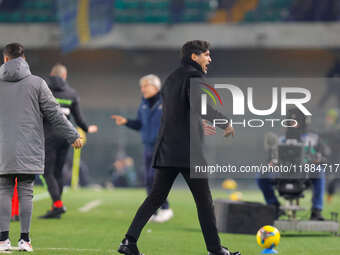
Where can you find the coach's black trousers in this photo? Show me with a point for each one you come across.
(56, 149)
(163, 181)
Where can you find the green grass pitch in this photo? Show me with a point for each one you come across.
(100, 230)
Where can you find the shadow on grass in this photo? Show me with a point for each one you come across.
(193, 230)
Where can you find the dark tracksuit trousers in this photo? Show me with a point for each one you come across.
(150, 173)
(56, 149)
(164, 179)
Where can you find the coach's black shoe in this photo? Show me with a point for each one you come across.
(224, 251)
(54, 213)
(316, 215)
(63, 209)
(128, 248)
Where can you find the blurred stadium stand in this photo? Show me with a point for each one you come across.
(185, 11)
(167, 23)
(15, 11)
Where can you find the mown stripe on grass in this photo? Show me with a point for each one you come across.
(89, 206)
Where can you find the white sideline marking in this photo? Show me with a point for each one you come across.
(89, 206)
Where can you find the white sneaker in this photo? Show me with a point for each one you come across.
(155, 218)
(165, 215)
(5, 245)
(25, 246)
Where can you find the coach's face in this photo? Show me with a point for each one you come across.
(148, 89)
(202, 59)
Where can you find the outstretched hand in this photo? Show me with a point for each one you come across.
(120, 120)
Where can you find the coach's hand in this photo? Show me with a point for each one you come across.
(229, 131)
(120, 120)
(207, 128)
(78, 143)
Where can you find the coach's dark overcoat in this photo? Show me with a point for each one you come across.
(181, 120)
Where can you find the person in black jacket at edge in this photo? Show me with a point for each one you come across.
(56, 147)
(172, 152)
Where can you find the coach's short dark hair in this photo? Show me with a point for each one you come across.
(196, 47)
(14, 50)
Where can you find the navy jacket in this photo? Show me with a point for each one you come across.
(148, 121)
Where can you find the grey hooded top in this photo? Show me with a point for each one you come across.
(25, 100)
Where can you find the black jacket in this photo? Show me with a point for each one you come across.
(181, 120)
(68, 99)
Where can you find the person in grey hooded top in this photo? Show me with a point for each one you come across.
(25, 100)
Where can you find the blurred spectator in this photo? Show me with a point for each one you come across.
(124, 174)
